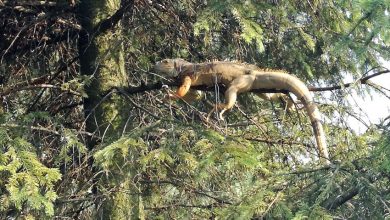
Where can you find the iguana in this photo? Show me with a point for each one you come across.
(239, 78)
(172, 68)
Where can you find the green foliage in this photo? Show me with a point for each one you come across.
(383, 153)
(315, 212)
(203, 158)
(28, 184)
(160, 159)
(71, 146)
(251, 31)
(116, 154)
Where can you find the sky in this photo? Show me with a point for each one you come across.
(376, 106)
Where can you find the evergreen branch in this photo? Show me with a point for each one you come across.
(271, 205)
(306, 171)
(366, 16)
(210, 206)
(219, 200)
(253, 121)
(379, 88)
(387, 118)
(13, 47)
(13, 42)
(70, 106)
(194, 110)
(357, 117)
(52, 39)
(40, 82)
(80, 199)
(333, 203)
(100, 28)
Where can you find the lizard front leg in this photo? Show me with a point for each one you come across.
(183, 89)
(231, 97)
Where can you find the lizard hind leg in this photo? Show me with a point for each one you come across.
(217, 108)
(231, 97)
(238, 85)
(221, 113)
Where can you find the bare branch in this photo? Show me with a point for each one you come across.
(110, 22)
(332, 204)
(41, 128)
(279, 141)
(37, 128)
(363, 80)
(31, 3)
(38, 86)
(155, 86)
(194, 190)
(136, 105)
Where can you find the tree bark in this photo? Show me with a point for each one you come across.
(102, 61)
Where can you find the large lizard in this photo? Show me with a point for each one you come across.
(174, 67)
(239, 78)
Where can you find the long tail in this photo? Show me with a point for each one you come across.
(302, 92)
(298, 88)
(319, 133)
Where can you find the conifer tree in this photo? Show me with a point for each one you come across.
(87, 131)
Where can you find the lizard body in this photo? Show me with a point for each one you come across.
(222, 72)
(272, 80)
(240, 78)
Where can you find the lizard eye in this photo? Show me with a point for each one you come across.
(165, 61)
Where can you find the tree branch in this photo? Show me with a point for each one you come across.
(210, 206)
(110, 22)
(192, 190)
(38, 86)
(279, 142)
(158, 85)
(362, 80)
(341, 199)
(41, 128)
(30, 3)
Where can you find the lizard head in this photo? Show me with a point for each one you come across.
(171, 67)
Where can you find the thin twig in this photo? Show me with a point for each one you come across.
(39, 86)
(135, 104)
(362, 80)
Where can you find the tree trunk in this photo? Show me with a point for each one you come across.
(102, 60)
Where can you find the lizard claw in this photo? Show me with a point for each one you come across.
(221, 117)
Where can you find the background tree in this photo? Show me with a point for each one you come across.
(86, 130)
